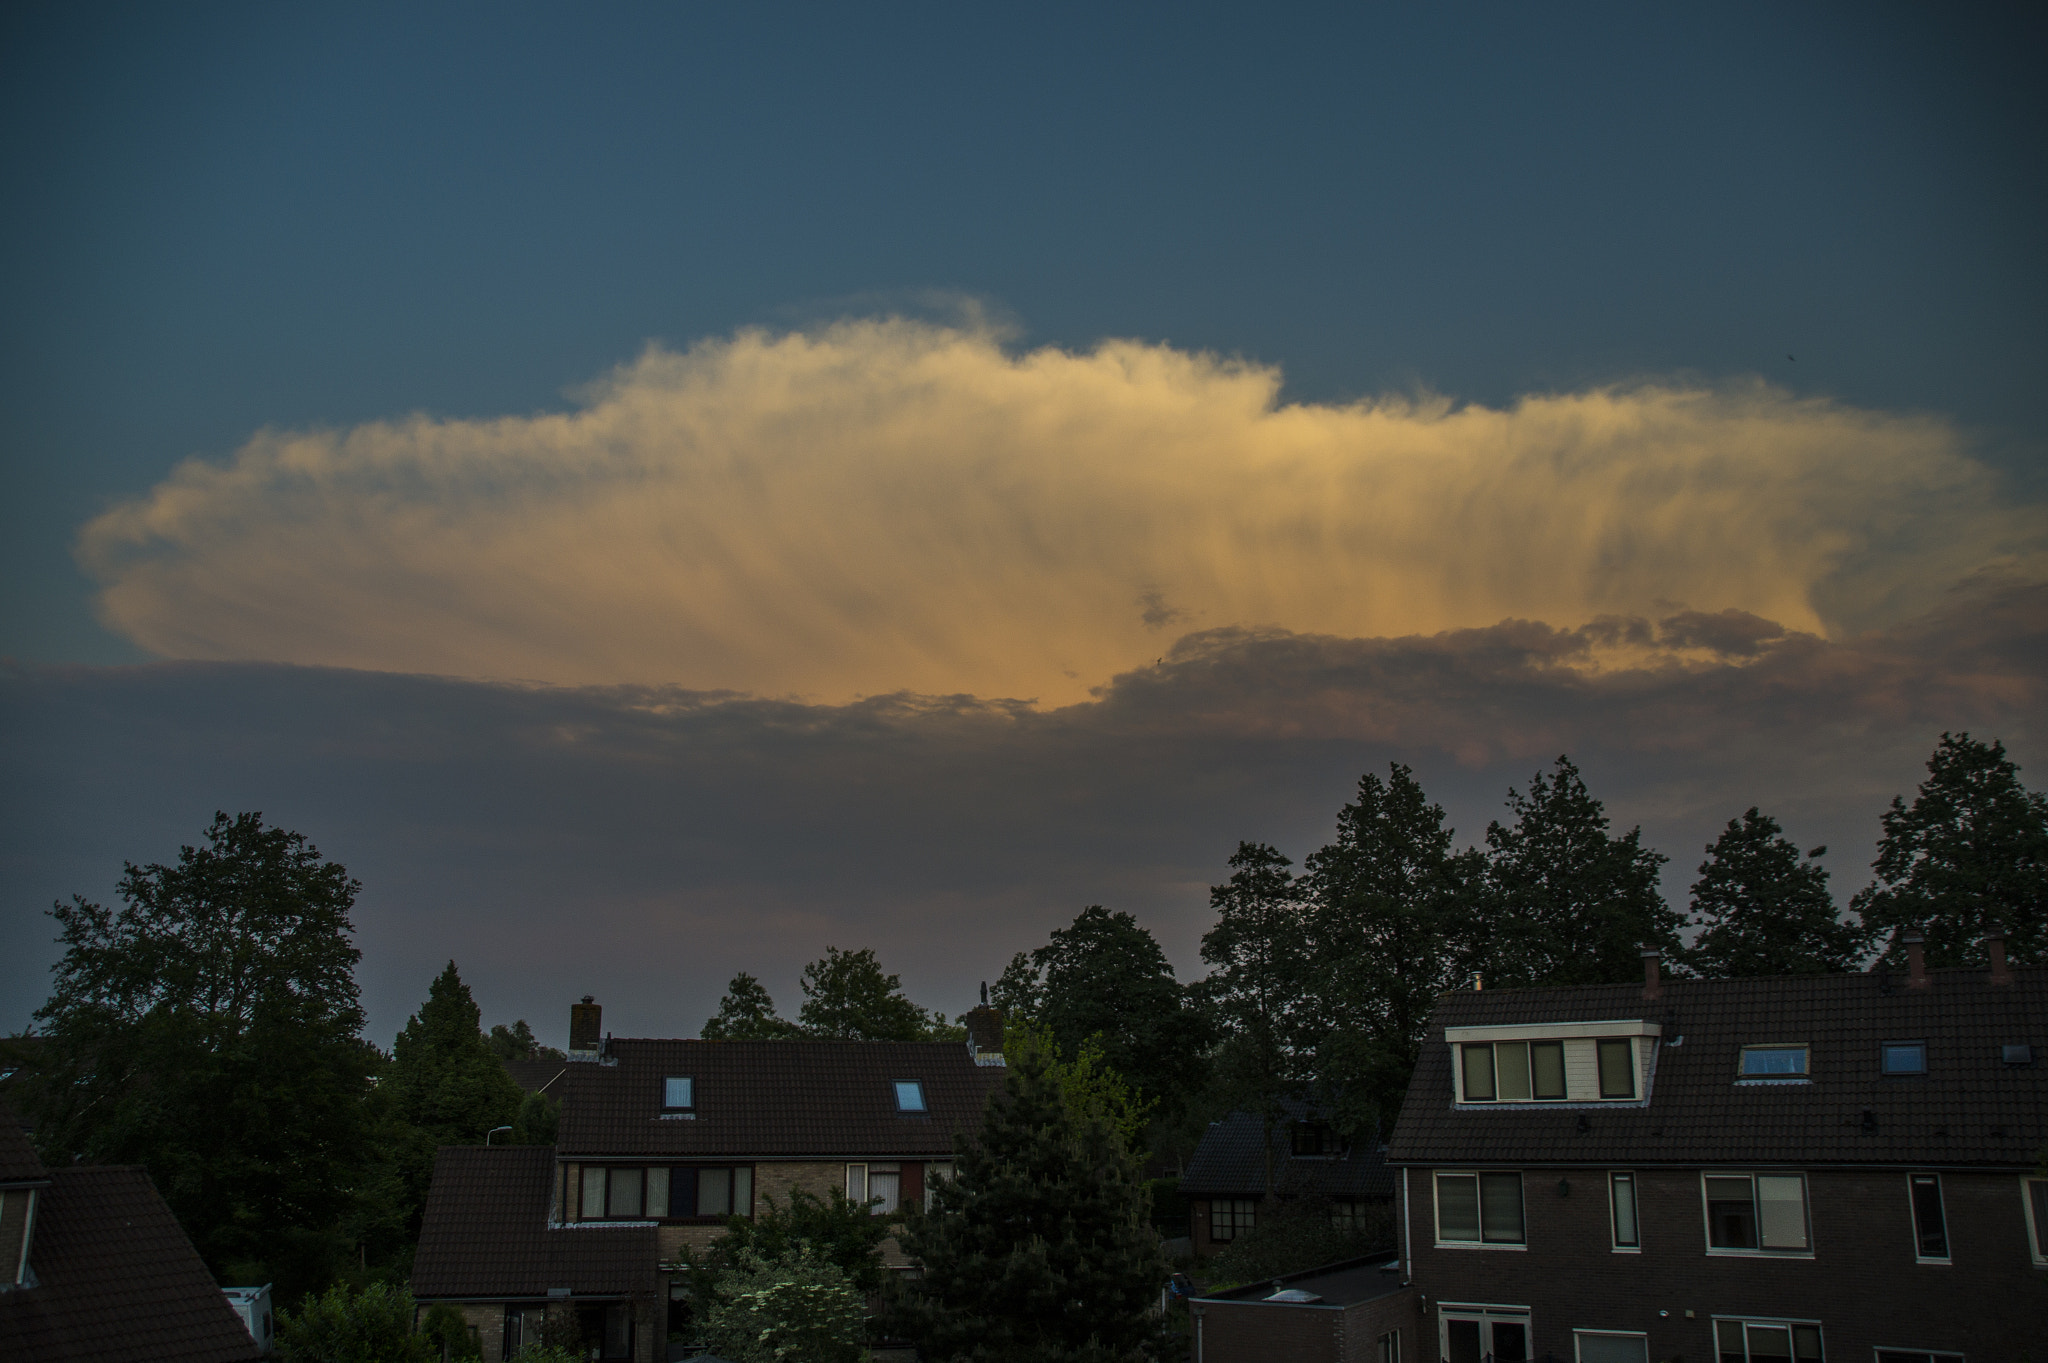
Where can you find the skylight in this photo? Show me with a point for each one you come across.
(1904, 1057)
(909, 1095)
(678, 1091)
(1774, 1062)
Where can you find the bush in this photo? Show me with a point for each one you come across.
(342, 1326)
(1297, 1236)
(796, 1309)
(448, 1334)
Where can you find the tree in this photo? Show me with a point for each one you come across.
(846, 995)
(842, 1232)
(1090, 1085)
(1566, 903)
(1038, 1247)
(539, 1114)
(1764, 910)
(1105, 979)
(746, 1013)
(1390, 927)
(797, 1306)
(1259, 952)
(209, 1030)
(445, 1085)
(517, 1042)
(345, 1326)
(1971, 853)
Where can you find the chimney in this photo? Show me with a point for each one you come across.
(584, 1021)
(1916, 958)
(984, 1034)
(1653, 977)
(1994, 943)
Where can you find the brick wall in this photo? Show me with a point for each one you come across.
(1862, 1283)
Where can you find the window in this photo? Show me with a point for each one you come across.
(1230, 1217)
(1930, 1227)
(1767, 1341)
(1915, 1356)
(1756, 1213)
(1312, 1140)
(1621, 1191)
(2022, 1054)
(1774, 1063)
(1478, 1073)
(1617, 1069)
(1479, 1209)
(623, 1202)
(942, 1169)
(1903, 1057)
(1611, 1346)
(909, 1095)
(593, 1192)
(1390, 1348)
(1522, 1071)
(697, 1193)
(885, 1188)
(678, 1092)
(2035, 1192)
(1348, 1217)
(1471, 1334)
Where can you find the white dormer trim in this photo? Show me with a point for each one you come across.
(1547, 1031)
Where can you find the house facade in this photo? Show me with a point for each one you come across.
(1242, 1165)
(1755, 1171)
(658, 1143)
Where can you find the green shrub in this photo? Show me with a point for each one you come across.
(341, 1326)
(799, 1308)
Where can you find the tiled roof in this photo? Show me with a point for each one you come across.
(535, 1075)
(486, 1233)
(1969, 1109)
(18, 1162)
(116, 1280)
(765, 1099)
(1229, 1162)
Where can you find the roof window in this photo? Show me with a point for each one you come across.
(678, 1091)
(1903, 1057)
(909, 1095)
(1774, 1064)
(2017, 1055)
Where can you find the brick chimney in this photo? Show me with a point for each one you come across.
(1994, 944)
(1653, 973)
(1916, 958)
(984, 1034)
(585, 1028)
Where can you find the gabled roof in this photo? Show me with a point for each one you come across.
(116, 1280)
(1969, 1109)
(18, 1162)
(535, 1076)
(1230, 1162)
(769, 1099)
(486, 1233)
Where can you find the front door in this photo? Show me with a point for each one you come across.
(1485, 1335)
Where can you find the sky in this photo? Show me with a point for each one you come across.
(657, 491)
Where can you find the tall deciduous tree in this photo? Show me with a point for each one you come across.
(209, 1030)
(518, 1042)
(847, 995)
(1762, 909)
(1389, 929)
(1971, 852)
(1038, 1249)
(1566, 903)
(746, 1013)
(1104, 979)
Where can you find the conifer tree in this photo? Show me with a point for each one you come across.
(1764, 910)
(1566, 903)
(1971, 853)
(1038, 1249)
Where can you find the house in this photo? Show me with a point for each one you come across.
(1225, 1180)
(93, 1266)
(1835, 1167)
(1356, 1311)
(658, 1143)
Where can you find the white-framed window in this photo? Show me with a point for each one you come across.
(1621, 1201)
(1739, 1340)
(2034, 1200)
(678, 1093)
(703, 1192)
(885, 1189)
(1775, 1064)
(1930, 1223)
(1500, 1333)
(1480, 1209)
(1755, 1213)
(1389, 1348)
(1902, 1057)
(1611, 1346)
(1231, 1217)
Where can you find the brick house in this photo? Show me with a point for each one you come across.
(93, 1266)
(1826, 1167)
(1225, 1180)
(658, 1142)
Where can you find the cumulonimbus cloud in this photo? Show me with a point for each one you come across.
(888, 505)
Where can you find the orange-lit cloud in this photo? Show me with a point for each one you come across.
(883, 506)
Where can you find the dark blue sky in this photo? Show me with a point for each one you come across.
(225, 218)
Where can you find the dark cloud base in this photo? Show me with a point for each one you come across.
(642, 844)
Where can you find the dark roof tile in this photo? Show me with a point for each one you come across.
(1230, 1162)
(486, 1233)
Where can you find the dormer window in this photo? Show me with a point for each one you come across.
(1313, 1140)
(909, 1095)
(1774, 1064)
(678, 1093)
(1553, 1062)
(1903, 1057)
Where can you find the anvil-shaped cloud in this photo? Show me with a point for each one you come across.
(883, 506)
